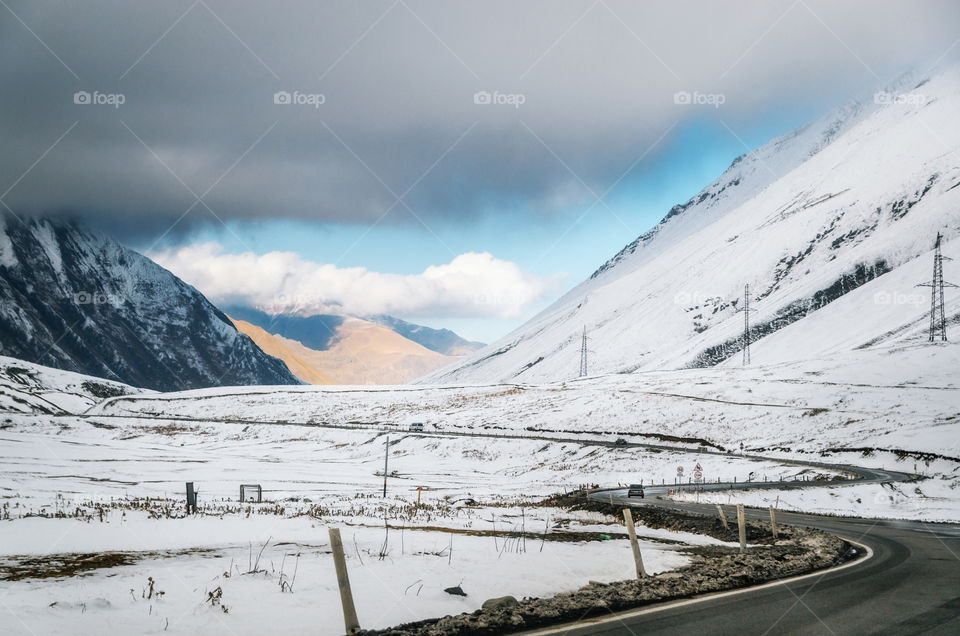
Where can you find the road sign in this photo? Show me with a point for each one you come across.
(698, 466)
(679, 471)
(697, 475)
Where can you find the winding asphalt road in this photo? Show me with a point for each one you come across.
(906, 580)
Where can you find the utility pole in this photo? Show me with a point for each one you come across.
(746, 324)
(583, 354)
(938, 316)
(386, 459)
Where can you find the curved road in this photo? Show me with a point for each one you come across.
(910, 584)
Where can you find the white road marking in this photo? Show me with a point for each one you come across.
(659, 607)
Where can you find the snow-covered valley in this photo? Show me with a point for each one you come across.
(831, 230)
(92, 492)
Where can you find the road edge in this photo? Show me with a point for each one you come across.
(659, 607)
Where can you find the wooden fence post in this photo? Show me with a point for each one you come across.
(638, 560)
(722, 517)
(343, 581)
(742, 524)
(773, 523)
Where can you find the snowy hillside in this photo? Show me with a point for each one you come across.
(856, 196)
(31, 388)
(898, 397)
(81, 302)
(893, 406)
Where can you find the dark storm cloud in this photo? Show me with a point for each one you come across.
(596, 81)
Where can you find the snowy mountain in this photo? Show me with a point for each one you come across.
(81, 302)
(852, 201)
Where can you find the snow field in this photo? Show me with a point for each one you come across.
(314, 479)
(405, 585)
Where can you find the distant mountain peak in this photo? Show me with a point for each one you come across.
(79, 301)
(341, 349)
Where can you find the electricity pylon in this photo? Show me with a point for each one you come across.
(938, 316)
(583, 354)
(746, 324)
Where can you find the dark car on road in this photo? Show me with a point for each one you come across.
(635, 490)
(620, 442)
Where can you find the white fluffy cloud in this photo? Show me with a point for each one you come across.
(472, 285)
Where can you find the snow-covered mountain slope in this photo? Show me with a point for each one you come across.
(81, 302)
(805, 219)
(893, 397)
(32, 388)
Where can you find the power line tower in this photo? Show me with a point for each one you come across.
(746, 324)
(938, 316)
(583, 354)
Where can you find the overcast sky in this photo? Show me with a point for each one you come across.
(390, 171)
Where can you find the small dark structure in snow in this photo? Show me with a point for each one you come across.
(191, 498)
(245, 487)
